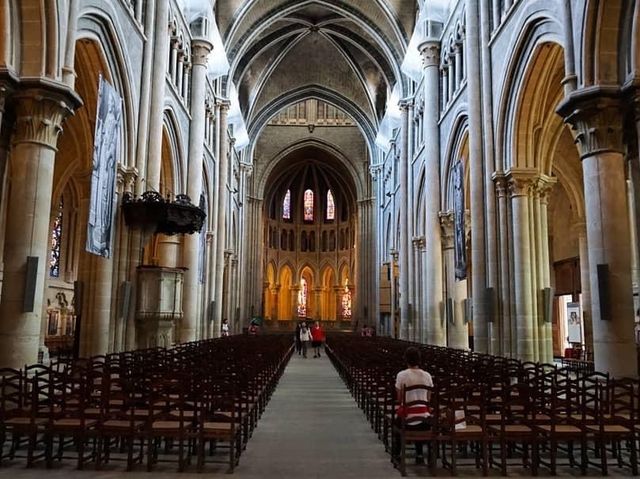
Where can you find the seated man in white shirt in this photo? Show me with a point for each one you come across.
(413, 376)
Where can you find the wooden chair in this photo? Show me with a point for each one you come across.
(516, 426)
(411, 426)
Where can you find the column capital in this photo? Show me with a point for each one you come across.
(595, 115)
(40, 112)
(406, 104)
(126, 177)
(419, 242)
(430, 51)
(223, 104)
(521, 181)
(200, 49)
(447, 228)
(543, 187)
(500, 181)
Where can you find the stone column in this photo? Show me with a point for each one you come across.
(403, 249)
(39, 116)
(143, 115)
(200, 49)
(418, 278)
(476, 176)
(221, 216)
(68, 71)
(520, 184)
(598, 124)
(433, 280)
(317, 302)
(458, 331)
(158, 83)
(445, 85)
(544, 186)
(276, 302)
(457, 52)
(96, 275)
(504, 304)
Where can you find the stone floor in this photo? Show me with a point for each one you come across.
(310, 429)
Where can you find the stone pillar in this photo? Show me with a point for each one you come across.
(520, 184)
(143, 115)
(476, 177)
(68, 71)
(418, 278)
(433, 279)
(406, 328)
(317, 302)
(457, 331)
(338, 290)
(158, 83)
(505, 304)
(189, 325)
(457, 52)
(96, 275)
(598, 124)
(276, 302)
(542, 189)
(445, 85)
(221, 221)
(39, 116)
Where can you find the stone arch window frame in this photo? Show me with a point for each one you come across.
(330, 207)
(286, 207)
(308, 210)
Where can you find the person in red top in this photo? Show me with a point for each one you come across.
(317, 337)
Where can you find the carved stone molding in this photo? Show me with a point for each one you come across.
(596, 117)
(430, 52)
(521, 182)
(200, 49)
(40, 113)
(543, 187)
(501, 184)
(419, 242)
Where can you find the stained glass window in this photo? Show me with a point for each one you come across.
(286, 206)
(346, 301)
(331, 207)
(56, 241)
(308, 205)
(302, 299)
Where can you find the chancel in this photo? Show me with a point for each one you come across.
(184, 182)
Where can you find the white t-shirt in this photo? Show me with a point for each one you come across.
(414, 377)
(305, 334)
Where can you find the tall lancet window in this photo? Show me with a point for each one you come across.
(286, 206)
(308, 205)
(56, 242)
(302, 299)
(331, 207)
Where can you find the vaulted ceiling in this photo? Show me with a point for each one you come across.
(347, 52)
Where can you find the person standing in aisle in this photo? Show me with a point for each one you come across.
(317, 337)
(305, 337)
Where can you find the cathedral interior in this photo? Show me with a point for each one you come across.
(458, 174)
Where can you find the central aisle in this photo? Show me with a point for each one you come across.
(312, 428)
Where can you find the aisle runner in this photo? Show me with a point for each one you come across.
(312, 428)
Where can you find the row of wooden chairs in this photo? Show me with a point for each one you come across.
(192, 400)
(510, 409)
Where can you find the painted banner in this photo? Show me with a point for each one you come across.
(103, 176)
(574, 323)
(460, 248)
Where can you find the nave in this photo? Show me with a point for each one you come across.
(309, 424)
